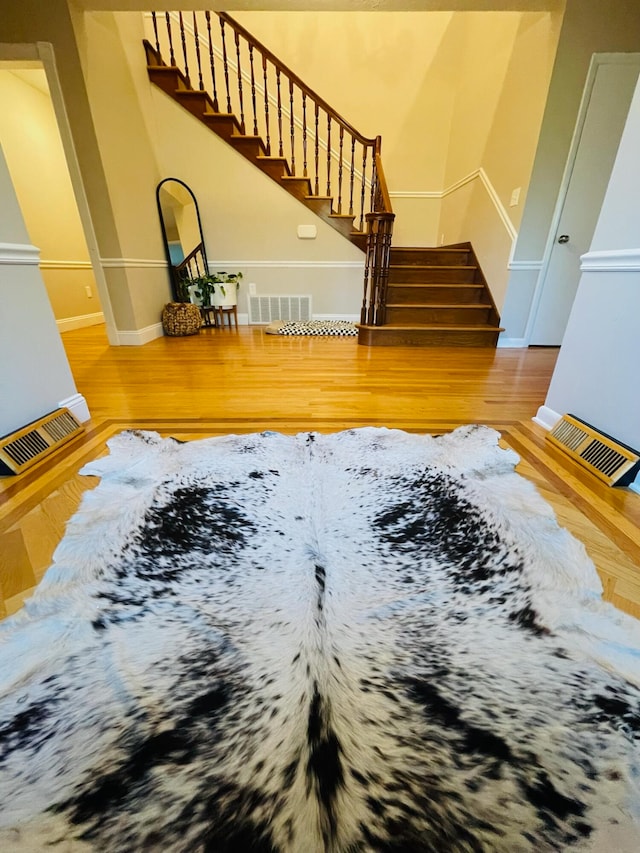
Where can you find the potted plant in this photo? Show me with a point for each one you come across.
(218, 289)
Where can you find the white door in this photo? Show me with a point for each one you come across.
(604, 119)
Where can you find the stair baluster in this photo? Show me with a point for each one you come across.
(253, 91)
(280, 148)
(317, 150)
(225, 63)
(172, 56)
(352, 174)
(292, 127)
(340, 169)
(266, 106)
(212, 63)
(239, 74)
(304, 134)
(199, 61)
(184, 49)
(155, 30)
(328, 154)
(363, 186)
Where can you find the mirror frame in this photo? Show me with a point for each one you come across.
(174, 275)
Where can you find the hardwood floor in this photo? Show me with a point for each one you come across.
(236, 381)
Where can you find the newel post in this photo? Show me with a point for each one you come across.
(376, 274)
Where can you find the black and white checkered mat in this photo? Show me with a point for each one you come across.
(314, 327)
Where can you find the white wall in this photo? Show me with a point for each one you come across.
(35, 377)
(596, 376)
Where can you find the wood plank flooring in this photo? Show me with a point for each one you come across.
(236, 381)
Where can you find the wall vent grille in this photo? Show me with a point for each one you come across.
(598, 453)
(266, 309)
(28, 445)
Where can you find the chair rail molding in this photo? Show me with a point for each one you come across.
(452, 188)
(614, 260)
(286, 264)
(132, 263)
(47, 264)
(525, 265)
(19, 253)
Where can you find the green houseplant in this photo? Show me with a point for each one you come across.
(214, 289)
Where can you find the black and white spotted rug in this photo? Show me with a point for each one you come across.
(367, 641)
(312, 327)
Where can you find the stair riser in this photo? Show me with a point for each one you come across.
(439, 257)
(436, 275)
(249, 148)
(387, 336)
(221, 125)
(431, 316)
(196, 103)
(166, 79)
(428, 295)
(276, 169)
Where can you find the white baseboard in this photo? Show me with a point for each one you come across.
(515, 343)
(139, 337)
(352, 318)
(546, 417)
(80, 322)
(77, 405)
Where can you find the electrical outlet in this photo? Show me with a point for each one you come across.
(88, 291)
(442, 239)
(515, 197)
(252, 288)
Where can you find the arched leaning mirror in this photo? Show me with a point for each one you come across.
(182, 234)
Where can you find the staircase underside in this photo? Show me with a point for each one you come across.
(435, 297)
(226, 125)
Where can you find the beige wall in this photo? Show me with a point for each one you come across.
(450, 93)
(505, 70)
(115, 71)
(246, 217)
(588, 26)
(40, 378)
(38, 167)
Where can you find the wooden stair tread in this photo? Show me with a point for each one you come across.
(440, 305)
(414, 267)
(461, 327)
(477, 285)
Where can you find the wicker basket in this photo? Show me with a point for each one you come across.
(181, 318)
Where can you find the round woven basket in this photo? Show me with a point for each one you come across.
(181, 318)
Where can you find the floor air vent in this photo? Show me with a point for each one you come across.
(610, 461)
(23, 448)
(266, 309)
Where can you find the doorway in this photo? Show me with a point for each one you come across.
(37, 164)
(605, 104)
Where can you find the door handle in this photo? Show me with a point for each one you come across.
(563, 238)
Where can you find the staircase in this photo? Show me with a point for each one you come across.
(435, 297)
(415, 297)
(227, 126)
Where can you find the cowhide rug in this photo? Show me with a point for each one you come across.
(368, 641)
